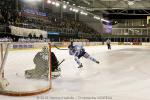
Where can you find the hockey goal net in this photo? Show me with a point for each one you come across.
(25, 68)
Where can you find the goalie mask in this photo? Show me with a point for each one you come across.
(45, 49)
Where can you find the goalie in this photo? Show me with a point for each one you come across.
(41, 70)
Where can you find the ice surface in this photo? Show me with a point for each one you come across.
(17, 62)
(123, 74)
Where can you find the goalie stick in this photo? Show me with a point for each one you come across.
(59, 48)
(57, 73)
(60, 63)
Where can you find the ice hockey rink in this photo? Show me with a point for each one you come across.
(123, 74)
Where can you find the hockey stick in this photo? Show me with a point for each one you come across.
(60, 63)
(58, 66)
(59, 73)
(59, 48)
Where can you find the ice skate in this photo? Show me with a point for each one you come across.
(80, 66)
(97, 62)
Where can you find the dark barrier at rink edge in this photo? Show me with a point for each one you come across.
(57, 43)
(65, 44)
(26, 45)
(21, 45)
(62, 44)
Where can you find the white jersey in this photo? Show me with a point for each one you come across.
(108, 41)
(76, 50)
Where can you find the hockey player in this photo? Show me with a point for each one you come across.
(78, 52)
(41, 70)
(108, 42)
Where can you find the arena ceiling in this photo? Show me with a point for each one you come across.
(104, 7)
(116, 7)
(116, 4)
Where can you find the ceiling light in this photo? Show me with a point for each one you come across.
(53, 3)
(70, 9)
(64, 6)
(83, 13)
(130, 3)
(49, 1)
(57, 4)
(96, 17)
(104, 20)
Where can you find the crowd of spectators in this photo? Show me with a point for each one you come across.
(65, 23)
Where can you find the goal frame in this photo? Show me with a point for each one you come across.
(39, 91)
